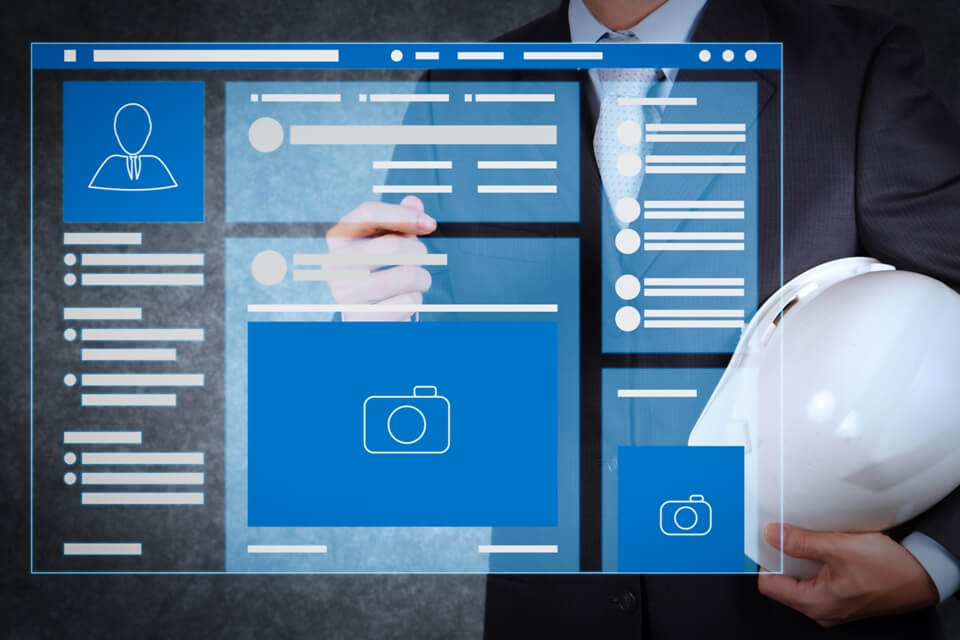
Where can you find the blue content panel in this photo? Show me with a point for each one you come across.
(472, 151)
(680, 509)
(504, 272)
(648, 415)
(402, 424)
(680, 232)
(133, 152)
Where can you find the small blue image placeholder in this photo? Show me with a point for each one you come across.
(133, 152)
(680, 509)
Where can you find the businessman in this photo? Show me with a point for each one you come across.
(871, 167)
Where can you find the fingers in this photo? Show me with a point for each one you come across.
(796, 594)
(802, 543)
(370, 249)
(375, 218)
(400, 316)
(382, 285)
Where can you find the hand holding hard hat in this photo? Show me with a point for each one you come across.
(863, 368)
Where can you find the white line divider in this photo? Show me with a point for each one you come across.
(433, 134)
(657, 102)
(216, 55)
(141, 279)
(102, 437)
(693, 246)
(286, 548)
(130, 498)
(656, 393)
(515, 97)
(136, 335)
(693, 204)
(681, 169)
(696, 137)
(654, 159)
(103, 313)
(479, 55)
(402, 308)
(693, 324)
(693, 235)
(693, 293)
(655, 127)
(128, 399)
(141, 478)
(518, 548)
(86, 238)
(516, 164)
(413, 164)
(516, 188)
(563, 55)
(142, 457)
(694, 313)
(141, 259)
(142, 379)
(371, 259)
(409, 97)
(128, 355)
(679, 214)
(413, 188)
(102, 548)
(693, 282)
(300, 97)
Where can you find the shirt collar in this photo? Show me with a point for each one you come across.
(673, 21)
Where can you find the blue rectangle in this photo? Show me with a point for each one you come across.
(379, 55)
(680, 509)
(133, 152)
(266, 180)
(324, 449)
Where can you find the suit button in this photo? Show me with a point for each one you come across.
(625, 601)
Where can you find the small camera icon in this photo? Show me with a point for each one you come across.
(693, 517)
(418, 423)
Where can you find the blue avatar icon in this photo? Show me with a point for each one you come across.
(132, 170)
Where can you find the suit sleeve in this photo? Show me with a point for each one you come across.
(908, 166)
(908, 196)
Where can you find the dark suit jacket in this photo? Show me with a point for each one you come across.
(871, 167)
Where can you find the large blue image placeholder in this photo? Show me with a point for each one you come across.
(337, 435)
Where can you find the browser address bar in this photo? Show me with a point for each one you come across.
(216, 55)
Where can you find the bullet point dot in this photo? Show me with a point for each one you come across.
(70, 279)
(70, 478)
(70, 259)
(70, 335)
(69, 379)
(70, 457)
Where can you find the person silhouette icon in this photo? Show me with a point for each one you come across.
(132, 170)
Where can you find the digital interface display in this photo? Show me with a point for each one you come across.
(219, 392)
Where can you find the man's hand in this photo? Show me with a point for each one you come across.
(380, 228)
(863, 575)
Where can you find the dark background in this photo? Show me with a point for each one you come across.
(250, 606)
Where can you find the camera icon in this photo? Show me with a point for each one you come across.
(693, 517)
(418, 423)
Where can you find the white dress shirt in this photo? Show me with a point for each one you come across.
(674, 21)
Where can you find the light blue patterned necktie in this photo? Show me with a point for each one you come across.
(619, 139)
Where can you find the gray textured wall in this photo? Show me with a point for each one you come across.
(250, 606)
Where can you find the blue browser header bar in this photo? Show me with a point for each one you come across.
(405, 55)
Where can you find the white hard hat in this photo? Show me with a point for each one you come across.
(862, 369)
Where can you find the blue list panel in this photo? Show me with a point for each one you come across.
(133, 152)
(680, 509)
(402, 424)
(471, 151)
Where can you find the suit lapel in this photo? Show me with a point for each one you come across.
(720, 21)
